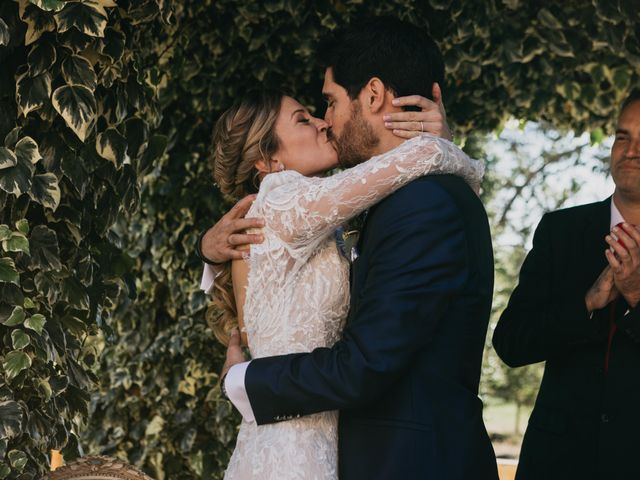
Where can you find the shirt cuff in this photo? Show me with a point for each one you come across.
(209, 274)
(237, 393)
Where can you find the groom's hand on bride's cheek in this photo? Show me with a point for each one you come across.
(432, 117)
(227, 239)
(234, 353)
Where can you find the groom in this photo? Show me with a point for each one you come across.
(405, 373)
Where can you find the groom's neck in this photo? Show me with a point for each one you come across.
(387, 142)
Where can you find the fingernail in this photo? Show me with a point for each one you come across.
(395, 101)
(386, 118)
(262, 222)
(387, 124)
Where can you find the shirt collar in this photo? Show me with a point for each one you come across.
(616, 216)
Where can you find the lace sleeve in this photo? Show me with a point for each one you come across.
(307, 209)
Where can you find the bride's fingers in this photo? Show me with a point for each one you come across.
(415, 101)
(425, 116)
(427, 127)
(406, 133)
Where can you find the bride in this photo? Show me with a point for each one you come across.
(291, 293)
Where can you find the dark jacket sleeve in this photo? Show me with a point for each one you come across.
(541, 320)
(417, 262)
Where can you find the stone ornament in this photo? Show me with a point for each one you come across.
(98, 468)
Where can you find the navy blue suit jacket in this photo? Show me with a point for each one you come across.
(405, 374)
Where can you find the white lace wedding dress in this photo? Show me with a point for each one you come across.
(298, 289)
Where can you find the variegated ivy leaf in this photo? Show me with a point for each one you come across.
(17, 179)
(27, 150)
(45, 252)
(19, 339)
(4, 33)
(8, 159)
(36, 323)
(88, 18)
(23, 226)
(11, 417)
(12, 138)
(15, 362)
(45, 190)
(38, 21)
(17, 242)
(5, 232)
(18, 458)
(8, 272)
(49, 5)
(112, 146)
(77, 70)
(41, 57)
(16, 317)
(77, 105)
(32, 92)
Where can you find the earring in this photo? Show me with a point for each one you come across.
(282, 168)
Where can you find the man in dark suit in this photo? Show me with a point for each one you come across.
(405, 374)
(576, 308)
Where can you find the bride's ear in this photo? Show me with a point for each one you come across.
(264, 166)
(269, 166)
(375, 95)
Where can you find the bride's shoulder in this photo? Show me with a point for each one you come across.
(277, 182)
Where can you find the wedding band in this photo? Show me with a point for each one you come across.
(422, 127)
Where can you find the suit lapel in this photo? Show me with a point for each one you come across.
(596, 227)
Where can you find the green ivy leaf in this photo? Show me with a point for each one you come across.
(11, 417)
(549, 20)
(45, 252)
(5, 232)
(36, 323)
(5, 37)
(8, 272)
(5, 470)
(112, 146)
(19, 339)
(17, 242)
(16, 318)
(49, 5)
(77, 105)
(88, 18)
(7, 158)
(77, 70)
(32, 93)
(45, 190)
(15, 362)
(28, 303)
(41, 57)
(74, 293)
(23, 226)
(18, 459)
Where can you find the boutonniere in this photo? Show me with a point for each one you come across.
(346, 242)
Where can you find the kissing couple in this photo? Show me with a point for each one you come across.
(366, 369)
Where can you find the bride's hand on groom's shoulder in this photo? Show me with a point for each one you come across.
(227, 240)
(432, 117)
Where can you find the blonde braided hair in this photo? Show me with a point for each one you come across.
(243, 135)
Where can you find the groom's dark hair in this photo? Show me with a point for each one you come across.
(402, 55)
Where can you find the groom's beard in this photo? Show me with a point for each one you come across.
(357, 141)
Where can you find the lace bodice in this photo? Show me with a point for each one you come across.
(298, 288)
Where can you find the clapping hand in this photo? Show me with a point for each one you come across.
(432, 117)
(603, 291)
(624, 260)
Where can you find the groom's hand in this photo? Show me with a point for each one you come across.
(625, 262)
(234, 353)
(602, 292)
(432, 117)
(224, 241)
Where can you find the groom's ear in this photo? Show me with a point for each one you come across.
(373, 95)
